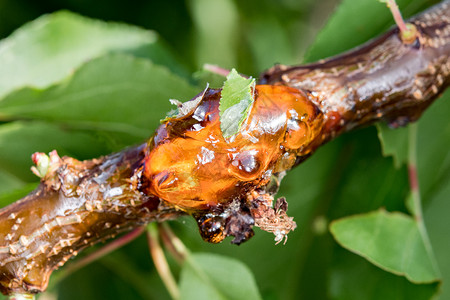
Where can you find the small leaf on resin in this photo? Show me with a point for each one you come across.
(391, 241)
(235, 102)
(184, 108)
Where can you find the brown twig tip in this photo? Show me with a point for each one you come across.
(408, 31)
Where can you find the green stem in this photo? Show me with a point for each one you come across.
(392, 5)
(412, 172)
(184, 252)
(408, 32)
(160, 261)
(178, 245)
(415, 193)
(168, 242)
(175, 242)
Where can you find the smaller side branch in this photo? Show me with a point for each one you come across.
(160, 261)
(408, 32)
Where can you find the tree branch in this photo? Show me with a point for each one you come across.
(187, 167)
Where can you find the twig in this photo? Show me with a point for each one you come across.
(175, 242)
(408, 32)
(168, 240)
(392, 5)
(216, 70)
(160, 262)
(188, 259)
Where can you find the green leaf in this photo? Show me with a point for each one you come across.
(9, 182)
(50, 48)
(354, 278)
(434, 178)
(434, 175)
(279, 49)
(116, 92)
(394, 142)
(209, 276)
(433, 155)
(438, 224)
(391, 241)
(235, 102)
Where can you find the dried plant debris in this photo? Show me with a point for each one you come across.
(238, 217)
(272, 219)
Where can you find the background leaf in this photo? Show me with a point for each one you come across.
(391, 241)
(354, 278)
(394, 142)
(209, 276)
(434, 181)
(116, 92)
(49, 48)
(434, 175)
(216, 36)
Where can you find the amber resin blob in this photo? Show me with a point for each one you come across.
(192, 166)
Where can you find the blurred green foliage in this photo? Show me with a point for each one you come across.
(87, 103)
